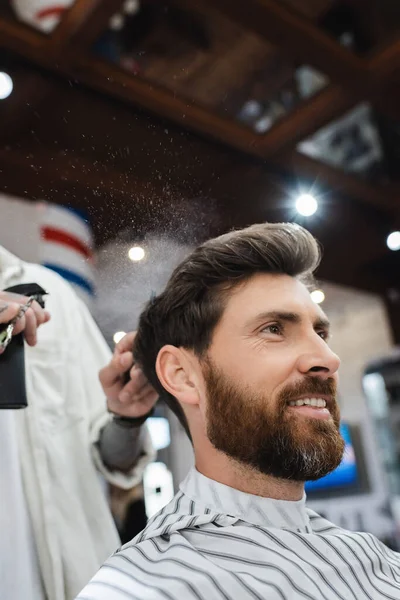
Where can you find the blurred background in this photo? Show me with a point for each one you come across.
(132, 130)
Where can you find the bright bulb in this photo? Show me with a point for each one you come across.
(131, 7)
(318, 296)
(117, 22)
(118, 336)
(6, 85)
(306, 205)
(159, 432)
(393, 240)
(136, 253)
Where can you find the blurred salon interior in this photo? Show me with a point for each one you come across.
(131, 131)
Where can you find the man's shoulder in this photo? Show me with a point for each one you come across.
(147, 569)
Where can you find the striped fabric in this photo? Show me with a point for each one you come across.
(66, 247)
(212, 542)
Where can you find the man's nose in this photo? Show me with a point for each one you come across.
(318, 358)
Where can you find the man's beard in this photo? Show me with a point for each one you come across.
(268, 437)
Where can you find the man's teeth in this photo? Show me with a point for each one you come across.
(316, 402)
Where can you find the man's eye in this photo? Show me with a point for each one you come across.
(274, 329)
(323, 334)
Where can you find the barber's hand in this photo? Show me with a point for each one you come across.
(35, 316)
(137, 397)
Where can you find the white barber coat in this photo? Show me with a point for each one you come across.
(58, 434)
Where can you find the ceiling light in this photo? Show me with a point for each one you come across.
(306, 205)
(251, 109)
(117, 22)
(6, 85)
(118, 336)
(131, 7)
(136, 253)
(263, 124)
(318, 296)
(393, 240)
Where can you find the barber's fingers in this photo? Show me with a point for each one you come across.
(134, 388)
(138, 378)
(41, 315)
(122, 360)
(12, 297)
(111, 375)
(140, 406)
(126, 344)
(28, 322)
(8, 310)
(136, 405)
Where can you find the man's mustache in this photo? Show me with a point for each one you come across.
(310, 387)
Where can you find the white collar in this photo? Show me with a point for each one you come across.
(266, 512)
(10, 267)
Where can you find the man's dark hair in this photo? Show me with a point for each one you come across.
(188, 310)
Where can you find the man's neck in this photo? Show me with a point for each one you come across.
(236, 475)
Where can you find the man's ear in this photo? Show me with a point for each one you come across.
(177, 374)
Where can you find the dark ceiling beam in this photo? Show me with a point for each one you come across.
(301, 39)
(22, 40)
(385, 62)
(304, 43)
(104, 77)
(384, 66)
(295, 35)
(120, 84)
(108, 79)
(329, 104)
(81, 26)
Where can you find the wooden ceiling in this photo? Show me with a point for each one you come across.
(135, 148)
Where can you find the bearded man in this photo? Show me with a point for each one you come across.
(240, 352)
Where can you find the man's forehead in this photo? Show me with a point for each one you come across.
(270, 292)
(267, 287)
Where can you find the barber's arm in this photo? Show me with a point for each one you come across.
(117, 458)
(122, 439)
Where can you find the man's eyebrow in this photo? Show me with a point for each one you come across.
(289, 317)
(322, 323)
(274, 315)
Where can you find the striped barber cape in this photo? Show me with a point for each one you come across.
(212, 542)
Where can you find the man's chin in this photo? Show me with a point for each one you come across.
(310, 452)
(304, 467)
(306, 426)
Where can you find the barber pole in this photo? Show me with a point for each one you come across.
(44, 15)
(67, 247)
